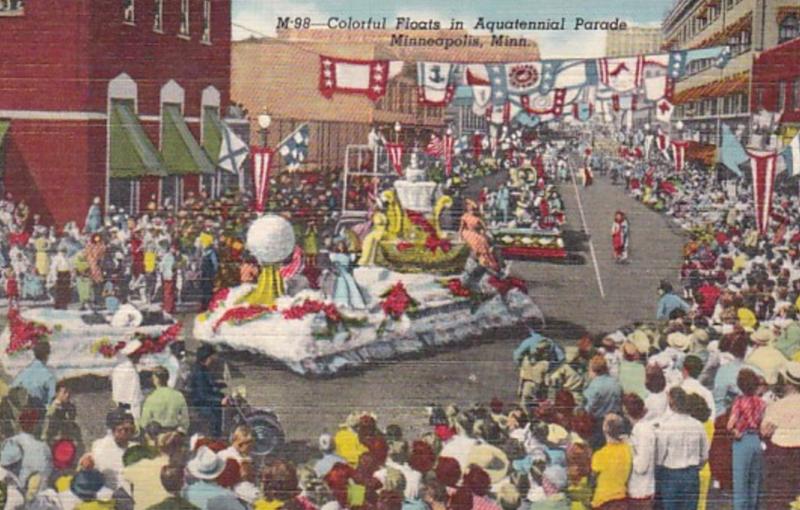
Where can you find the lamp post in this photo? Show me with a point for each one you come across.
(397, 129)
(679, 126)
(264, 121)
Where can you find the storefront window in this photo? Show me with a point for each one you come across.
(789, 28)
(128, 11)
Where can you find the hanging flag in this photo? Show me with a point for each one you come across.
(448, 153)
(294, 266)
(679, 153)
(664, 109)
(435, 146)
(619, 75)
(762, 164)
(731, 153)
(662, 142)
(462, 145)
(791, 155)
(232, 151)
(262, 165)
(435, 83)
(366, 77)
(648, 143)
(395, 152)
(294, 148)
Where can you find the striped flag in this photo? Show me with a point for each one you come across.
(679, 153)
(395, 152)
(662, 142)
(262, 163)
(294, 266)
(435, 146)
(762, 165)
(791, 155)
(449, 140)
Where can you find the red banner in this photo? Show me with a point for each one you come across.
(262, 163)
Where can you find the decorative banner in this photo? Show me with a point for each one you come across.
(232, 151)
(679, 153)
(367, 77)
(294, 148)
(477, 145)
(791, 155)
(295, 265)
(648, 143)
(262, 164)
(620, 75)
(448, 153)
(664, 109)
(662, 142)
(395, 152)
(552, 103)
(731, 153)
(762, 165)
(582, 111)
(435, 83)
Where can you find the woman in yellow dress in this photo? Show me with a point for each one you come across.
(369, 246)
(473, 232)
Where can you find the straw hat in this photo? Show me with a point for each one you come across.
(679, 341)
(491, 459)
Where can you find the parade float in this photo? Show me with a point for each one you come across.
(395, 302)
(86, 343)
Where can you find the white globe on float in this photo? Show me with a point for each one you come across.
(270, 239)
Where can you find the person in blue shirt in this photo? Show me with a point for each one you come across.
(38, 380)
(205, 392)
(669, 302)
(602, 396)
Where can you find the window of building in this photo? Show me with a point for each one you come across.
(129, 11)
(184, 26)
(796, 94)
(733, 42)
(11, 7)
(744, 41)
(206, 21)
(789, 28)
(781, 105)
(158, 15)
(744, 107)
(759, 98)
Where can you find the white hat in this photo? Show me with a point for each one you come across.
(131, 347)
(679, 341)
(206, 465)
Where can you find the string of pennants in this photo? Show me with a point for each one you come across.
(528, 93)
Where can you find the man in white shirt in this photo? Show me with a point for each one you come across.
(681, 450)
(642, 482)
(107, 452)
(126, 389)
(692, 368)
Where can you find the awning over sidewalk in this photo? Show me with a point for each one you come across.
(181, 152)
(4, 125)
(212, 134)
(131, 153)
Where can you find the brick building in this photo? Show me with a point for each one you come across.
(776, 85)
(120, 99)
(280, 75)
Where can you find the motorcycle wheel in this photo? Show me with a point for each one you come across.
(268, 435)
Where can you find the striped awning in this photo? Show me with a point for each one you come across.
(181, 152)
(212, 134)
(719, 88)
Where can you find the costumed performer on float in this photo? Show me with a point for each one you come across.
(473, 233)
(346, 292)
(371, 242)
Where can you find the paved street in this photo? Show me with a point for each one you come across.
(399, 391)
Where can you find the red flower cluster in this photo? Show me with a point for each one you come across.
(109, 351)
(243, 314)
(404, 245)
(397, 301)
(24, 334)
(219, 297)
(433, 241)
(456, 288)
(503, 285)
(152, 345)
(311, 306)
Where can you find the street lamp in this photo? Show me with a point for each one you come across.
(264, 121)
(679, 125)
(397, 129)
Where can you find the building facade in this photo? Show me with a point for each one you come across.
(776, 85)
(708, 97)
(281, 77)
(633, 41)
(120, 99)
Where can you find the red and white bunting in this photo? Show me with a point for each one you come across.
(662, 142)
(762, 164)
(679, 153)
(395, 152)
(366, 77)
(449, 140)
(262, 164)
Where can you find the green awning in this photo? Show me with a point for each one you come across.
(212, 134)
(181, 152)
(131, 153)
(4, 125)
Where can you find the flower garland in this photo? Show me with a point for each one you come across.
(219, 297)
(242, 314)
(24, 333)
(150, 345)
(457, 288)
(333, 318)
(503, 285)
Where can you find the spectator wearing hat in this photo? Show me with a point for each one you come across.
(669, 302)
(165, 406)
(36, 457)
(141, 476)
(126, 389)
(327, 446)
(87, 491)
(204, 491)
(781, 426)
(10, 467)
(205, 392)
(642, 439)
(612, 466)
(172, 481)
(765, 356)
(36, 378)
(107, 452)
